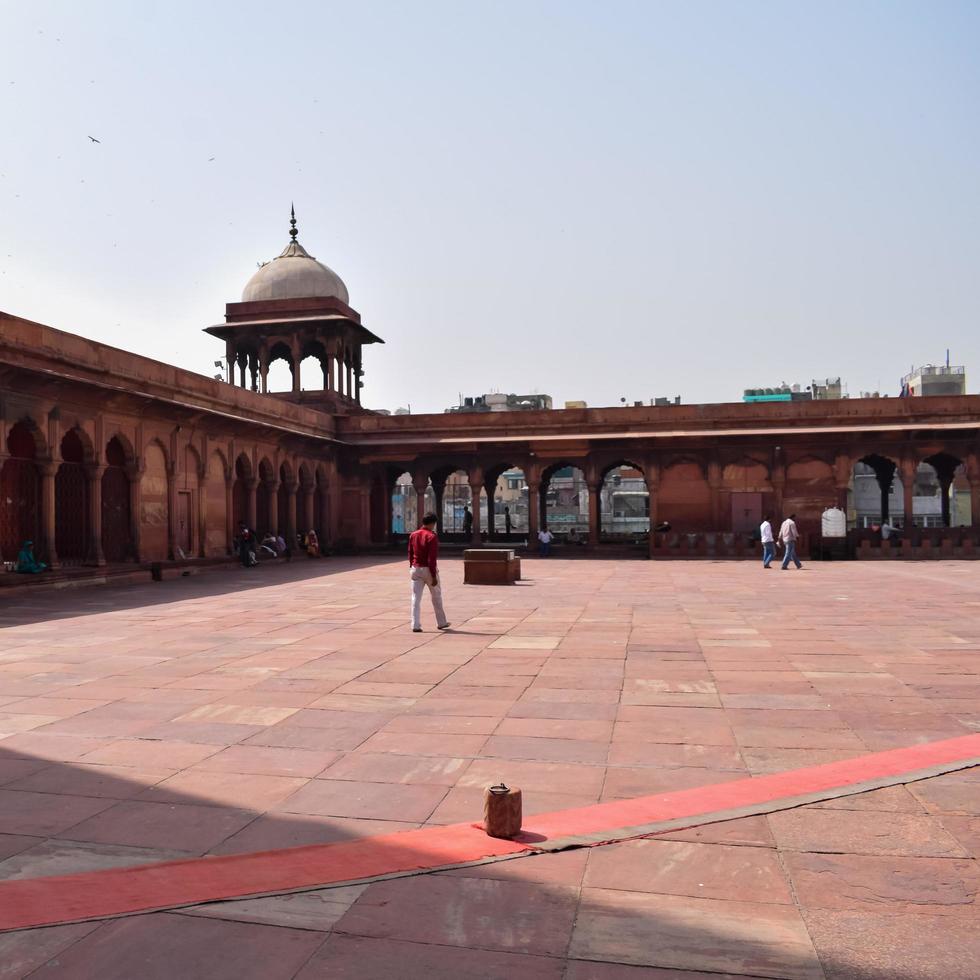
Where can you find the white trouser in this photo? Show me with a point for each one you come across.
(422, 577)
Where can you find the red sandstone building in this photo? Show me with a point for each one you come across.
(109, 457)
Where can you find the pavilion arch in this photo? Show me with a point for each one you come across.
(683, 496)
(565, 497)
(505, 501)
(877, 492)
(624, 500)
(451, 494)
(746, 474)
(313, 377)
(117, 515)
(20, 490)
(935, 480)
(72, 498)
(278, 380)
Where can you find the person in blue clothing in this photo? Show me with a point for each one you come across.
(27, 564)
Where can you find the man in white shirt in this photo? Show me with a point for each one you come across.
(768, 544)
(544, 542)
(788, 534)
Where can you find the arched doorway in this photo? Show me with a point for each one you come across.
(154, 501)
(506, 502)
(117, 536)
(624, 503)
(71, 502)
(239, 492)
(934, 489)
(566, 500)
(404, 505)
(453, 498)
(877, 493)
(216, 541)
(684, 497)
(20, 494)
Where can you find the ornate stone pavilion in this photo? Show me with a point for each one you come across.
(107, 456)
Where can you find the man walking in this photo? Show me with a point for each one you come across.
(788, 534)
(768, 544)
(423, 554)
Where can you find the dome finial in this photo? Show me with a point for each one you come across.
(292, 222)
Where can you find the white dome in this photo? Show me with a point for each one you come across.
(294, 274)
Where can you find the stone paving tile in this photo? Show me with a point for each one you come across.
(692, 933)
(468, 912)
(357, 958)
(373, 801)
(889, 885)
(662, 867)
(64, 857)
(21, 953)
(167, 945)
(862, 832)
(860, 945)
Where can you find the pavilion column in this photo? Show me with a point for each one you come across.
(135, 474)
(272, 517)
(842, 479)
(264, 368)
(945, 482)
(295, 353)
(94, 473)
(172, 510)
(48, 470)
(420, 488)
(252, 486)
(3, 459)
(533, 509)
(308, 492)
(595, 489)
(491, 511)
(909, 468)
(229, 509)
(231, 356)
(329, 372)
(348, 376)
(242, 364)
(475, 489)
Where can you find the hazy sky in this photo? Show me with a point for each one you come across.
(593, 200)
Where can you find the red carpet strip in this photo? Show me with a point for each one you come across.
(30, 903)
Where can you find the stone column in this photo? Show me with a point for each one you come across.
(475, 489)
(420, 488)
(202, 510)
(307, 506)
(94, 473)
(231, 355)
(842, 479)
(595, 488)
(135, 474)
(230, 529)
(439, 489)
(172, 510)
(348, 378)
(264, 368)
(714, 488)
(908, 470)
(295, 354)
(290, 533)
(48, 470)
(3, 459)
(652, 474)
(273, 516)
(533, 509)
(252, 517)
(242, 364)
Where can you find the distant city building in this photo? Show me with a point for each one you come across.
(818, 390)
(933, 380)
(576, 404)
(499, 402)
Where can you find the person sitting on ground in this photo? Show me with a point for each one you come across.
(27, 564)
(888, 530)
(574, 537)
(269, 545)
(312, 544)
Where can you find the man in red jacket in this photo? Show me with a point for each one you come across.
(423, 554)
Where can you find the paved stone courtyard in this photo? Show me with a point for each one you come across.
(261, 709)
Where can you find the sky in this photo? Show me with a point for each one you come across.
(594, 200)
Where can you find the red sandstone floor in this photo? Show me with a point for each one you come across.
(279, 706)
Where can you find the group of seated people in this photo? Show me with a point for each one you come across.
(273, 545)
